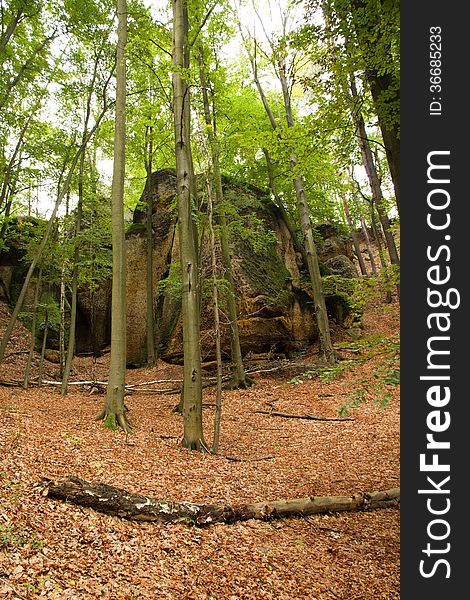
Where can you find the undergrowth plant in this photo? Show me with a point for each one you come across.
(12, 537)
(377, 385)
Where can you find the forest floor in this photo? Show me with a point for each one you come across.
(52, 549)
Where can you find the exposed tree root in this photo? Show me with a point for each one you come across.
(198, 445)
(114, 421)
(236, 383)
(117, 502)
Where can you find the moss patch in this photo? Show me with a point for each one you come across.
(136, 229)
(266, 273)
(340, 292)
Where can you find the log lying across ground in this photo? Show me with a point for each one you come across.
(117, 502)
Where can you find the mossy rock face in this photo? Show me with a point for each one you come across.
(265, 273)
(275, 311)
(340, 300)
(341, 265)
(332, 241)
(264, 265)
(274, 304)
(18, 233)
(136, 229)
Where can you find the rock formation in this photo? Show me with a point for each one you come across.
(274, 300)
(275, 310)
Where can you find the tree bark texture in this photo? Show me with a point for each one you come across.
(192, 384)
(354, 236)
(149, 263)
(373, 177)
(114, 411)
(117, 502)
(239, 377)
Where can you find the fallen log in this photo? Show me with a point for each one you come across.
(117, 502)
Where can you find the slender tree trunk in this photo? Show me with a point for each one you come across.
(365, 233)
(326, 346)
(192, 384)
(33, 331)
(10, 29)
(383, 259)
(6, 185)
(62, 317)
(379, 84)
(114, 410)
(374, 182)
(239, 377)
(357, 248)
(272, 184)
(149, 264)
(25, 68)
(372, 175)
(78, 227)
(384, 85)
(74, 291)
(215, 297)
(43, 347)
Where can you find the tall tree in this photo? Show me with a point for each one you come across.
(149, 243)
(373, 177)
(284, 72)
(114, 410)
(354, 236)
(372, 29)
(78, 225)
(239, 377)
(192, 384)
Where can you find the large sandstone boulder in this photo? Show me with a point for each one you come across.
(341, 265)
(273, 316)
(274, 300)
(275, 308)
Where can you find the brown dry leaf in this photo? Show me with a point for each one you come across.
(50, 549)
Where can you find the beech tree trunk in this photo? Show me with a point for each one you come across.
(285, 217)
(365, 233)
(239, 377)
(192, 383)
(215, 297)
(354, 237)
(8, 32)
(114, 410)
(33, 330)
(43, 346)
(326, 345)
(117, 502)
(149, 263)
